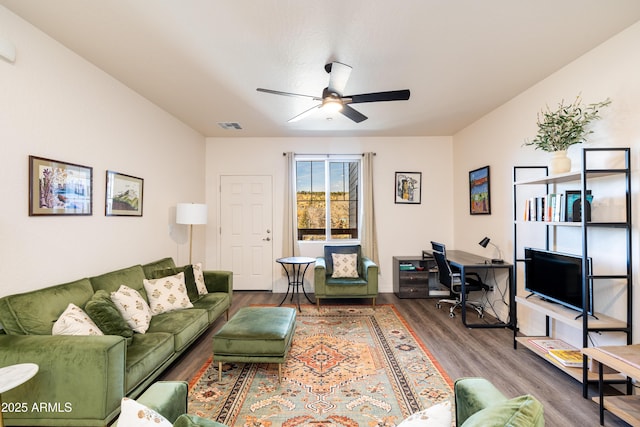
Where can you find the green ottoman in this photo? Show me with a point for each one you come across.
(255, 335)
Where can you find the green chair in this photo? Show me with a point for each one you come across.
(344, 273)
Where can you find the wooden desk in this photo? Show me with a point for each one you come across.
(464, 260)
(626, 360)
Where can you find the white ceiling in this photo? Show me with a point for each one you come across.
(202, 60)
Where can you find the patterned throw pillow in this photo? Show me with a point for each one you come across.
(345, 266)
(74, 321)
(199, 276)
(436, 416)
(167, 294)
(133, 307)
(134, 414)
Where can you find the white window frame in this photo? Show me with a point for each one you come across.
(328, 158)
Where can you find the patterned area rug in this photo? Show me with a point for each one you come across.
(348, 366)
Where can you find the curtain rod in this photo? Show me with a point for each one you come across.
(321, 154)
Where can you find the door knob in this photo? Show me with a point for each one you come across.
(267, 239)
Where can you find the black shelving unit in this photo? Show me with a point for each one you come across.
(599, 323)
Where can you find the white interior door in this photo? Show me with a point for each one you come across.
(246, 236)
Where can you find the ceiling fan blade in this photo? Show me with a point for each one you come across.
(393, 95)
(303, 114)
(338, 76)
(353, 114)
(277, 92)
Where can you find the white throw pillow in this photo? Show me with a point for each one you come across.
(435, 416)
(345, 266)
(199, 276)
(133, 308)
(134, 414)
(167, 294)
(74, 321)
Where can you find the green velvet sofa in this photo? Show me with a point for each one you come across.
(480, 404)
(82, 379)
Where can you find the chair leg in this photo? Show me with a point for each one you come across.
(374, 302)
(219, 372)
(318, 303)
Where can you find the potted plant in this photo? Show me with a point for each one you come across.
(563, 127)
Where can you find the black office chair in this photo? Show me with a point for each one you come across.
(451, 280)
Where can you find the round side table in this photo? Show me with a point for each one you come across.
(14, 375)
(298, 266)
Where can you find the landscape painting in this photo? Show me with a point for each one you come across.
(59, 188)
(479, 192)
(123, 195)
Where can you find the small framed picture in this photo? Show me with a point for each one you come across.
(479, 192)
(408, 187)
(123, 195)
(59, 188)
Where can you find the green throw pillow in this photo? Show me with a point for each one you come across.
(522, 411)
(106, 315)
(189, 279)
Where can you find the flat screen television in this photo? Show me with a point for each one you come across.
(556, 277)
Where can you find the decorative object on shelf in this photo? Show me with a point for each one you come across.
(573, 207)
(487, 241)
(59, 188)
(408, 187)
(479, 192)
(560, 129)
(191, 214)
(123, 195)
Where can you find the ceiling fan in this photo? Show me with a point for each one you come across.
(333, 99)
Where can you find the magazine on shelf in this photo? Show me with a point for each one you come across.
(570, 358)
(546, 344)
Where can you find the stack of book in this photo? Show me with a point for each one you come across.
(407, 267)
(559, 351)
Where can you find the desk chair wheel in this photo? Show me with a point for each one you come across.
(452, 314)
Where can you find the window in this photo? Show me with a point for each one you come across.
(341, 204)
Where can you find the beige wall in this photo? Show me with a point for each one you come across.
(402, 229)
(610, 70)
(55, 105)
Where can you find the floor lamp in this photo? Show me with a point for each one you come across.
(191, 214)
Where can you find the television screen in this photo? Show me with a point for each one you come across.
(556, 277)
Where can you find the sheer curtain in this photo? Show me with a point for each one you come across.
(369, 240)
(289, 229)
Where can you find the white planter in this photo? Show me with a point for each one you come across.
(560, 163)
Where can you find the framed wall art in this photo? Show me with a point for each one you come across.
(59, 188)
(479, 192)
(408, 187)
(123, 195)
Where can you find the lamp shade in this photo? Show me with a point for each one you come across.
(191, 213)
(484, 242)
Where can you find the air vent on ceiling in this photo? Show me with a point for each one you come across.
(230, 125)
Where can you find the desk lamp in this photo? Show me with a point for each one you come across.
(486, 241)
(191, 214)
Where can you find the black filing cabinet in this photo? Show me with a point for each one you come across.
(416, 277)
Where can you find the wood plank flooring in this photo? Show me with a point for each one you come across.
(461, 352)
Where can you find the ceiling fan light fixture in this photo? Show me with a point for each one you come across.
(331, 104)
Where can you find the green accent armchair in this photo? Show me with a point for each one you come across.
(328, 286)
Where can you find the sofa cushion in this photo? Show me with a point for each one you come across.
(189, 278)
(133, 308)
(522, 411)
(33, 313)
(184, 325)
(345, 265)
(198, 274)
(167, 294)
(157, 265)
(146, 353)
(134, 414)
(130, 276)
(215, 303)
(74, 321)
(106, 315)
